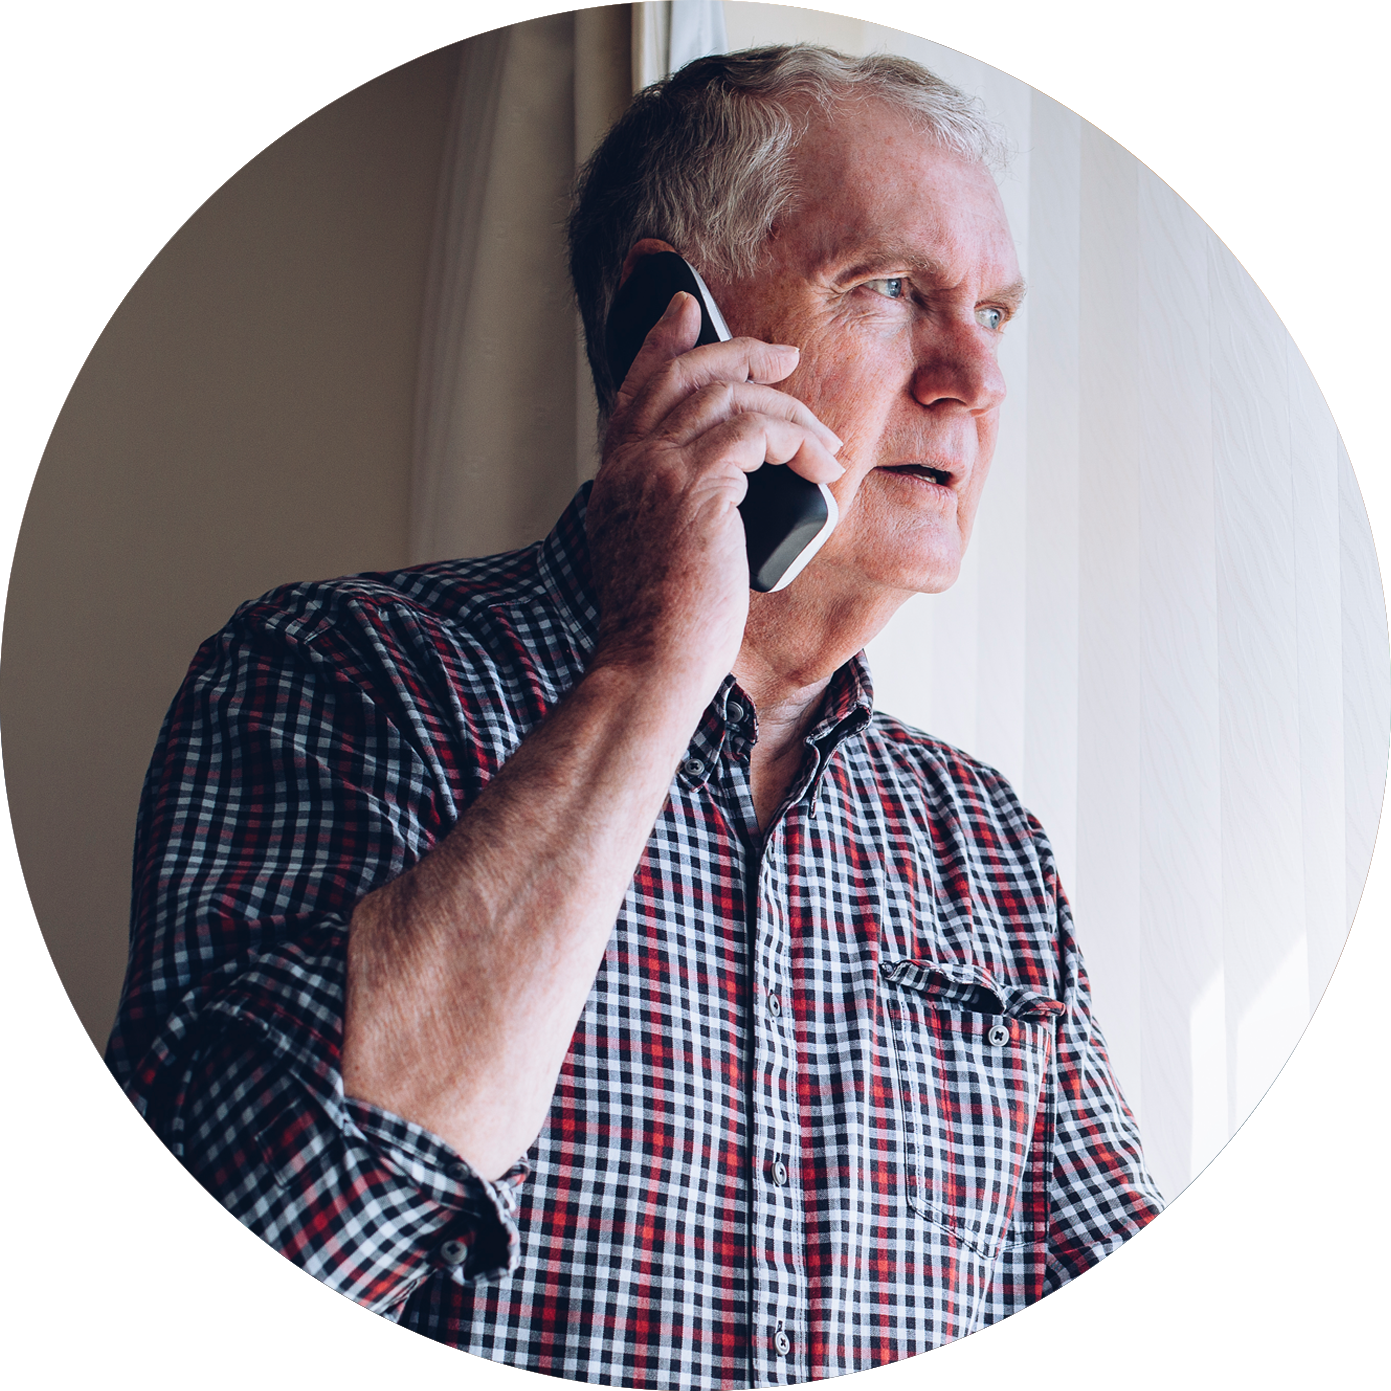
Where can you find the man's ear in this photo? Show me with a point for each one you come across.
(648, 246)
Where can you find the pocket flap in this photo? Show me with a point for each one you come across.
(967, 988)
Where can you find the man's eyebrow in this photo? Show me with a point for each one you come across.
(1012, 294)
(930, 269)
(899, 258)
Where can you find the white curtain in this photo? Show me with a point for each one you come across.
(668, 34)
(1169, 633)
(505, 409)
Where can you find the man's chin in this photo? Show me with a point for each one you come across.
(893, 548)
(918, 560)
(935, 581)
(914, 574)
(917, 549)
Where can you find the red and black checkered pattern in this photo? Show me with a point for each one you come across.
(836, 1096)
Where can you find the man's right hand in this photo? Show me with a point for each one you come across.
(666, 539)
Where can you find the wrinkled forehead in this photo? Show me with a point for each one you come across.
(871, 176)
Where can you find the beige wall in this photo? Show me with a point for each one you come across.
(244, 420)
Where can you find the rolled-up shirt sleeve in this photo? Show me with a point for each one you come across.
(293, 776)
(369, 1203)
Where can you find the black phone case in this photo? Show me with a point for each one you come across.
(783, 513)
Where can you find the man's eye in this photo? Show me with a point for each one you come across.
(993, 319)
(894, 287)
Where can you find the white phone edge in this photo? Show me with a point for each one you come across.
(816, 542)
(711, 307)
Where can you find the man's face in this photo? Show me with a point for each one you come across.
(895, 276)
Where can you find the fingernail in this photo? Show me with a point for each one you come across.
(839, 443)
(678, 302)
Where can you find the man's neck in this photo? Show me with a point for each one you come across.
(786, 711)
(793, 645)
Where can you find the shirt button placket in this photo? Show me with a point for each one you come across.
(778, 1274)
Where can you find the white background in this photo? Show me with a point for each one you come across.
(119, 120)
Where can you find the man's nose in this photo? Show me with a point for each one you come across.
(955, 363)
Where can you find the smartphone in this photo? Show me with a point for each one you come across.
(786, 518)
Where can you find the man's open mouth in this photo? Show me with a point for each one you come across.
(930, 475)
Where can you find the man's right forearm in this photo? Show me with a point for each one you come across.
(467, 975)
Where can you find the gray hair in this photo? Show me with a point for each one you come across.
(703, 160)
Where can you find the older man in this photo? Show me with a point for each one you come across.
(555, 952)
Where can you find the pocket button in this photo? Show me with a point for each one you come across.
(999, 1035)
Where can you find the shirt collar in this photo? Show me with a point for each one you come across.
(846, 709)
(729, 718)
(566, 573)
(847, 705)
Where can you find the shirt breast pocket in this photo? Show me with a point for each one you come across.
(969, 1068)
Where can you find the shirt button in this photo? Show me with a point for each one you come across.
(779, 1173)
(453, 1253)
(693, 767)
(735, 711)
(999, 1035)
(782, 1344)
(774, 1004)
(459, 1170)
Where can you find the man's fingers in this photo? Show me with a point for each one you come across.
(768, 362)
(673, 334)
(660, 379)
(750, 439)
(678, 328)
(717, 402)
(704, 409)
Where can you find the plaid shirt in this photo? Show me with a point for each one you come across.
(836, 1096)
